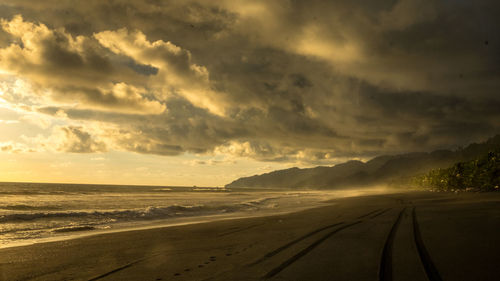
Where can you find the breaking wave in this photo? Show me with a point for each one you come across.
(149, 213)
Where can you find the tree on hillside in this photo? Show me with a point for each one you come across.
(480, 174)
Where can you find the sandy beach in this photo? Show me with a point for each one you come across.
(403, 236)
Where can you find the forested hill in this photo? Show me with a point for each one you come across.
(482, 174)
(380, 170)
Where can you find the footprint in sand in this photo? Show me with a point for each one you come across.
(177, 274)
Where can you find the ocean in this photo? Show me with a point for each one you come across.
(38, 212)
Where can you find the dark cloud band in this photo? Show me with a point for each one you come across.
(275, 81)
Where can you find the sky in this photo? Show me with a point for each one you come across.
(203, 92)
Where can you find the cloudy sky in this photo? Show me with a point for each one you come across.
(202, 92)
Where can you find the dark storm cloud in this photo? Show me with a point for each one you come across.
(183, 128)
(77, 140)
(273, 80)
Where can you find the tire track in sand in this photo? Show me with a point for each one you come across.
(430, 268)
(385, 269)
(302, 253)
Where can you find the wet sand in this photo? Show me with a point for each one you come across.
(406, 236)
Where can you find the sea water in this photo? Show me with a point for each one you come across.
(33, 212)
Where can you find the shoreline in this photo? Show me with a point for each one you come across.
(186, 220)
(149, 225)
(345, 240)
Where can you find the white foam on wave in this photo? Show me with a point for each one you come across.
(47, 214)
